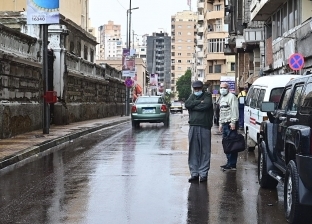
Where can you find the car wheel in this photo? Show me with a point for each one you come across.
(249, 148)
(166, 122)
(294, 212)
(135, 124)
(265, 180)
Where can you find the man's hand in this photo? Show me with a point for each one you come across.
(232, 126)
(220, 128)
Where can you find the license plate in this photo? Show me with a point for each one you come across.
(148, 111)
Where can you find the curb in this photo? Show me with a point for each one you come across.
(44, 146)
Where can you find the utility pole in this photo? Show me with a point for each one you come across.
(46, 108)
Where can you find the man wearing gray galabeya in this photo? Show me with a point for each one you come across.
(228, 121)
(200, 109)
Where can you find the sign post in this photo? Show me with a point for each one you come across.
(44, 13)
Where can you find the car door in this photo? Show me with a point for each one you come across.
(281, 123)
(254, 115)
(247, 108)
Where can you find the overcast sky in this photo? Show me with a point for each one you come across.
(151, 16)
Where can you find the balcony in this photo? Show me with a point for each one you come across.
(200, 30)
(200, 42)
(212, 15)
(200, 67)
(261, 10)
(200, 54)
(200, 5)
(200, 18)
(215, 56)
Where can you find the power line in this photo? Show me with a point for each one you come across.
(121, 4)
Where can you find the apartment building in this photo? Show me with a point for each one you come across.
(210, 62)
(183, 33)
(267, 34)
(110, 41)
(80, 15)
(158, 57)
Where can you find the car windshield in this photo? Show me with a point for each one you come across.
(176, 104)
(149, 100)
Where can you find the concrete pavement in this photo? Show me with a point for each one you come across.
(21, 147)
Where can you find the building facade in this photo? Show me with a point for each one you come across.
(266, 34)
(210, 62)
(183, 34)
(158, 57)
(110, 41)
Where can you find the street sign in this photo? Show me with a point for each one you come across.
(129, 82)
(296, 61)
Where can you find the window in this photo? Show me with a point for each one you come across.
(217, 69)
(188, 26)
(306, 100)
(179, 47)
(217, 7)
(179, 68)
(210, 69)
(232, 66)
(295, 101)
(188, 33)
(189, 47)
(249, 95)
(179, 33)
(216, 45)
(260, 98)
(188, 61)
(188, 54)
(179, 26)
(179, 61)
(179, 40)
(276, 95)
(179, 54)
(254, 98)
(285, 98)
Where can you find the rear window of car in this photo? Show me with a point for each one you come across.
(176, 104)
(276, 94)
(149, 100)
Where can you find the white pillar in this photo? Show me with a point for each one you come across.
(57, 34)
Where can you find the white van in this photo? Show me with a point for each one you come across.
(266, 88)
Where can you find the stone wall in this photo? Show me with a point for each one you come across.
(20, 83)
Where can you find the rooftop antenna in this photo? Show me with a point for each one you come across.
(189, 3)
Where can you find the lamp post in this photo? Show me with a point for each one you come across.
(128, 46)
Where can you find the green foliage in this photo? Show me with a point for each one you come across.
(184, 85)
(168, 97)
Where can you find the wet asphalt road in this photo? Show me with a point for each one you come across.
(120, 175)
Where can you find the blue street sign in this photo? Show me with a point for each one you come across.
(296, 61)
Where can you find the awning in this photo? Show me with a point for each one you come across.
(249, 80)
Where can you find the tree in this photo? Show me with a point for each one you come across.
(184, 85)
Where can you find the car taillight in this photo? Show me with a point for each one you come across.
(133, 109)
(163, 108)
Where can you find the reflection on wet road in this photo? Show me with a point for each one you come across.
(121, 175)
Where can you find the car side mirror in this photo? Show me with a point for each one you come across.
(267, 107)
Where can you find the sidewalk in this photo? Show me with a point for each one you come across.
(20, 147)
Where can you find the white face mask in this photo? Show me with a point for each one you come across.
(223, 91)
(198, 93)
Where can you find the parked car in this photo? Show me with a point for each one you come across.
(176, 106)
(150, 109)
(285, 150)
(266, 88)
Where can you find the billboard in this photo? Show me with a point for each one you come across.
(153, 81)
(231, 81)
(43, 11)
(128, 62)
